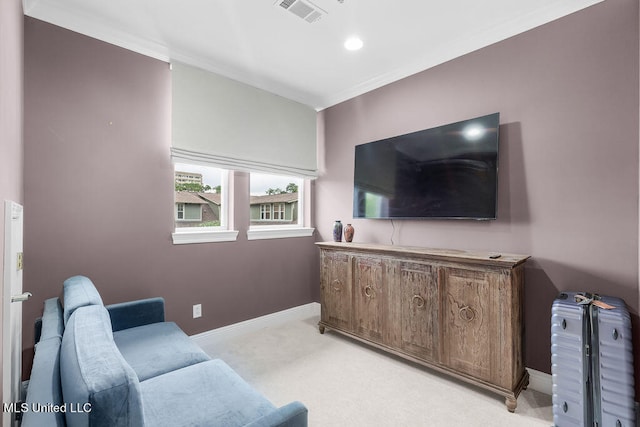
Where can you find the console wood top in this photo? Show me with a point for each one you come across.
(451, 255)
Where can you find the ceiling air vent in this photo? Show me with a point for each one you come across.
(302, 9)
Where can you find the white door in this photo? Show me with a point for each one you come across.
(12, 298)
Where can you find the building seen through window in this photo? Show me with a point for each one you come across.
(198, 198)
(274, 199)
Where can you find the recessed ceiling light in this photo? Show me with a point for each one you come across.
(353, 43)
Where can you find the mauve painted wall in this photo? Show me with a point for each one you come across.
(567, 93)
(568, 97)
(99, 194)
(11, 115)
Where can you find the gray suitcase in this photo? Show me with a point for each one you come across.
(591, 362)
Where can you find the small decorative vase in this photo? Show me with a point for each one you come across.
(348, 233)
(337, 231)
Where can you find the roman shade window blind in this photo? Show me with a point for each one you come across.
(217, 121)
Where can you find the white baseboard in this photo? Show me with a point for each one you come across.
(252, 325)
(538, 381)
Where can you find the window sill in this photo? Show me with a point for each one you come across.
(260, 233)
(203, 236)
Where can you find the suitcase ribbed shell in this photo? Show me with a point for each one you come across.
(614, 358)
(591, 364)
(568, 368)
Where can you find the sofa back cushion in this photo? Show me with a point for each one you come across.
(96, 380)
(78, 291)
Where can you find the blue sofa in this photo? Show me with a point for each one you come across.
(123, 365)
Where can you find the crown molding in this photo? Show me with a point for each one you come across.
(460, 47)
(94, 27)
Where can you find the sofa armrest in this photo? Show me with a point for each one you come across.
(43, 389)
(130, 314)
(293, 414)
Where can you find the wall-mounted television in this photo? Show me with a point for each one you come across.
(447, 172)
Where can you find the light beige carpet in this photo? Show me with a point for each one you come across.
(346, 383)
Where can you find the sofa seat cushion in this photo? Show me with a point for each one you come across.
(206, 394)
(78, 291)
(157, 348)
(93, 372)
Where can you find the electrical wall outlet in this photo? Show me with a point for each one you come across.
(197, 311)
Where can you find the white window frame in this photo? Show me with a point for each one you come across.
(283, 231)
(221, 233)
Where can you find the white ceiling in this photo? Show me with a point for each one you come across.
(262, 44)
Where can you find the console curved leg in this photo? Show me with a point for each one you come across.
(321, 329)
(511, 403)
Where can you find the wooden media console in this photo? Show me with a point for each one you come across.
(458, 312)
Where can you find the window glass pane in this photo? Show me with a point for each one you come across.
(198, 196)
(274, 199)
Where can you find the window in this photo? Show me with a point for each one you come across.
(202, 211)
(190, 214)
(276, 207)
(274, 199)
(265, 212)
(275, 211)
(278, 211)
(200, 204)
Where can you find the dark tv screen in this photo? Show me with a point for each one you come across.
(449, 171)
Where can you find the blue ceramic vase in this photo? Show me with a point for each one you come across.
(337, 231)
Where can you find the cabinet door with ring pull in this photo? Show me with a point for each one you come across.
(470, 321)
(371, 298)
(415, 311)
(335, 290)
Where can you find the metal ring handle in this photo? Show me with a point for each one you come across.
(337, 288)
(467, 313)
(420, 300)
(368, 291)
